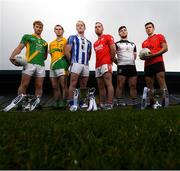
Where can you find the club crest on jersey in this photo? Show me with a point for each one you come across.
(99, 47)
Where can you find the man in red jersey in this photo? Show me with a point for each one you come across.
(154, 63)
(105, 50)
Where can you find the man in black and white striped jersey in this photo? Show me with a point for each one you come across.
(126, 69)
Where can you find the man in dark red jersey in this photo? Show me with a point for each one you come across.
(154, 63)
(105, 50)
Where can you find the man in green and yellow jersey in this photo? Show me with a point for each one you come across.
(59, 68)
(36, 53)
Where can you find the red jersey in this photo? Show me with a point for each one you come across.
(154, 44)
(102, 49)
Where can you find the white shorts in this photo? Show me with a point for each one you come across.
(101, 70)
(80, 69)
(34, 70)
(58, 72)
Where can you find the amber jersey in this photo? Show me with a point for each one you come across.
(56, 50)
(102, 50)
(154, 44)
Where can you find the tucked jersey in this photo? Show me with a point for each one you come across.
(154, 44)
(125, 52)
(36, 49)
(102, 49)
(81, 49)
(58, 59)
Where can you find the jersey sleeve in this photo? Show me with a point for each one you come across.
(24, 39)
(70, 40)
(161, 38)
(110, 40)
(135, 49)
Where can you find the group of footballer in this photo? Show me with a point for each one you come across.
(70, 58)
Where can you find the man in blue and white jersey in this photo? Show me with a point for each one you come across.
(78, 52)
(126, 69)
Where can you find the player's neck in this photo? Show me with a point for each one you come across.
(100, 35)
(124, 38)
(150, 35)
(81, 34)
(59, 38)
(37, 35)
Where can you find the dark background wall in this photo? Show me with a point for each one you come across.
(10, 80)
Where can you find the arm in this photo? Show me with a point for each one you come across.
(113, 53)
(163, 50)
(90, 51)
(46, 53)
(68, 52)
(16, 51)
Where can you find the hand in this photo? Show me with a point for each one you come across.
(148, 56)
(13, 61)
(114, 60)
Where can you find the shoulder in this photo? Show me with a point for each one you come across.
(72, 37)
(54, 41)
(64, 39)
(161, 36)
(89, 41)
(108, 36)
(118, 42)
(26, 36)
(132, 43)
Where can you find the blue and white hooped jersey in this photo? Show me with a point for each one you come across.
(81, 49)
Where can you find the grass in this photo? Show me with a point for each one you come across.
(123, 138)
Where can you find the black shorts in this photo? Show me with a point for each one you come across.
(152, 70)
(127, 70)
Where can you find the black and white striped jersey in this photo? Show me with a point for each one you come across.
(125, 52)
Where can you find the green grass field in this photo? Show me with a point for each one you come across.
(123, 138)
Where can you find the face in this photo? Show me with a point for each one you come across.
(149, 29)
(80, 27)
(99, 29)
(38, 29)
(123, 33)
(58, 31)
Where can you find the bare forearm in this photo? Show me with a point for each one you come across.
(113, 53)
(15, 52)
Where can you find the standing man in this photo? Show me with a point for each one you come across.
(36, 53)
(78, 52)
(126, 69)
(154, 64)
(59, 68)
(105, 50)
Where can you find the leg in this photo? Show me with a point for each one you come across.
(83, 82)
(161, 80)
(133, 90)
(162, 84)
(39, 86)
(110, 89)
(55, 87)
(120, 85)
(63, 84)
(102, 90)
(73, 82)
(25, 80)
(132, 85)
(121, 80)
(150, 85)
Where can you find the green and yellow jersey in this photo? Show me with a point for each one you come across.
(58, 59)
(36, 49)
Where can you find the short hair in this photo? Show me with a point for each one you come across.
(38, 22)
(149, 23)
(58, 25)
(99, 23)
(121, 27)
(81, 22)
